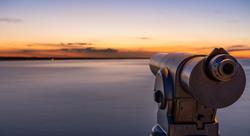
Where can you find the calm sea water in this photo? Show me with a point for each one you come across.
(91, 98)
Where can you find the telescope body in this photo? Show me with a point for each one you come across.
(189, 88)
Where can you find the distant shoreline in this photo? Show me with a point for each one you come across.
(59, 58)
(76, 58)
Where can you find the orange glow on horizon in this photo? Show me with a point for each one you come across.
(127, 50)
(122, 28)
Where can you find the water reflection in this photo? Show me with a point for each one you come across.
(90, 97)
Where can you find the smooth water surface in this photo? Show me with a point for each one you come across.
(91, 98)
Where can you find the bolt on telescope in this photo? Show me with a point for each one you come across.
(189, 88)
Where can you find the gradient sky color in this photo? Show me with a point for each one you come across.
(30, 27)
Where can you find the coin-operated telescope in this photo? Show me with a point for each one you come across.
(190, 88)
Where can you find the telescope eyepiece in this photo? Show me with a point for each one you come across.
(227, 67)
(222, 67)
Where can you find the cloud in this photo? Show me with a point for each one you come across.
(232, 21)
(205, 48)
(94, 50)
(232, 48)
(235, 48)
(28, 51)
(80, 43)
(90, 50)
(87, 50)
(144, 38)
(62, 45)
(10, 20)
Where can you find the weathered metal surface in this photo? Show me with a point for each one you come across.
(189, 88)
(209, 92)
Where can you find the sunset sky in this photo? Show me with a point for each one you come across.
(122, 28)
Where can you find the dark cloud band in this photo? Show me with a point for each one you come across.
(90, 50)
(235, 48)
(10, 20)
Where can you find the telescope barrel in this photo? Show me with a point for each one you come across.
(155, 62)
(170, 60)
(215, 81)
(189, 88)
